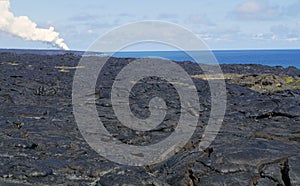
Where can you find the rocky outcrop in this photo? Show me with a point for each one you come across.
(258, 144)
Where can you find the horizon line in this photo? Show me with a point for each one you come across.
(77, 50)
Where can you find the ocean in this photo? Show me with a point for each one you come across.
(283, 58)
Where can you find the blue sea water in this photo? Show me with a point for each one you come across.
(283, 58)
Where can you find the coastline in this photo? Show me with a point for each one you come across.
(285, 58)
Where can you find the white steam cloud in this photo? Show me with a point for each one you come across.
(24, 28)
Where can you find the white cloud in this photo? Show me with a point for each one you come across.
(255, 10)
(293, 39)
(292, 9)
(167, 16)
(84, 18)
(298, 24)
(264, 36)
(205, 37)
(288, 33)
(280, 32)
(199, 19)
(219, 33)
(280, 29)
(249, 7)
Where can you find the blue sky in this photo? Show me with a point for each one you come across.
(231, 24)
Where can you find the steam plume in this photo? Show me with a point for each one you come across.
(24, 28)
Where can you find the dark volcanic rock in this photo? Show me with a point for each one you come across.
(258, 144)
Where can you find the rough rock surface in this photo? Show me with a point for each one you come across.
(258, 144)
